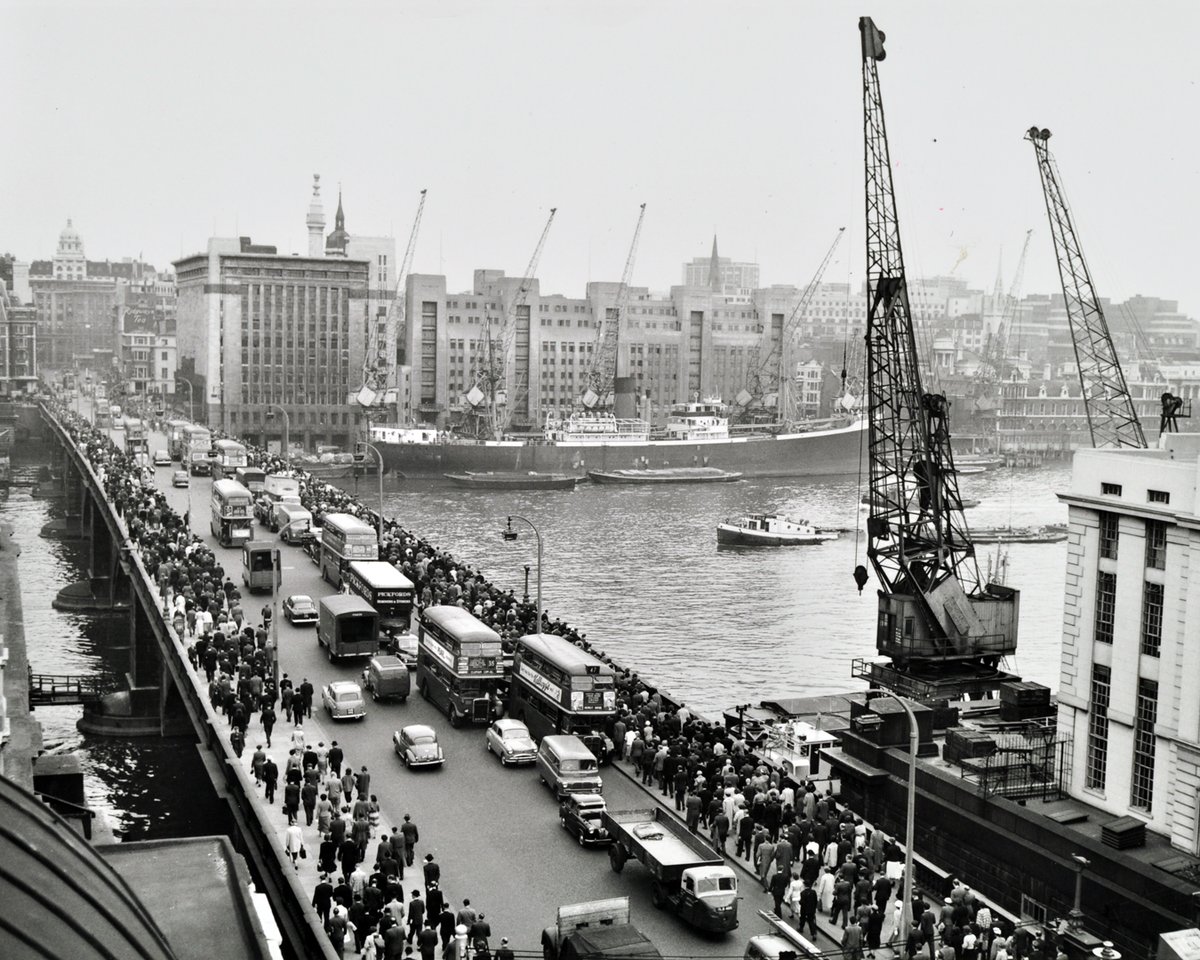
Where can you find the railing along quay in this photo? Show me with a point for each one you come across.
(297, 919)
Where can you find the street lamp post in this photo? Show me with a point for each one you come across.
(379, 456)
(526, 583)
(191, 399)
(285, 443)
(510, 534)
(914, 740)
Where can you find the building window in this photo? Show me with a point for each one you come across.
(1156, 544)
(1142, 793)
(1097, 747)
(1152, 617)
(1106, 602)
(1158, 496)
(1109, 530)
(1110, 489)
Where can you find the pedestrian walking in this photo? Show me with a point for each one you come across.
(432, 871)
(411, 837)
(267, 719)
(295, 844)
(270, 779)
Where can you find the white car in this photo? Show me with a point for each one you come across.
(417, 745)
(162, 458)
(510, 741)
(344, 700)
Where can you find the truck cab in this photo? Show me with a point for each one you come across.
(598, 928)
(708, 898)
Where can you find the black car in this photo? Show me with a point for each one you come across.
(600, 744)
(582, 816)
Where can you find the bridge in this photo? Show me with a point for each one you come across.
(159, 689)
(60, 689)
(495, 832)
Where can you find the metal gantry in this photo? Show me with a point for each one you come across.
(598, 386)
(1111, 417)
(933, 606)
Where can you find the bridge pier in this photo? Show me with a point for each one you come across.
(107, 588)
(73, 492)
(149, 706)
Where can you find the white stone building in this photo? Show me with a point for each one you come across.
(1130, 687)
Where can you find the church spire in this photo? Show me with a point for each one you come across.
(335, 243)
(714, 269)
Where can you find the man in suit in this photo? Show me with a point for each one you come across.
(416, 915)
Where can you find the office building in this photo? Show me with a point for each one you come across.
(1130, 663)
(734, 279)
(18, 347)
(257, 330)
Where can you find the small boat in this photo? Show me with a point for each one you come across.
(963, 470)
(769, 530)
(979, 460)
(1053, 533)
(665, 475)
(502, 480)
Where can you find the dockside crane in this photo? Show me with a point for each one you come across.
(502, 373)
(770, 374)
(598, 385)
(942, 628)
(379, 374)
(1112, 420)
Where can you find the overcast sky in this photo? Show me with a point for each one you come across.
(154, 125)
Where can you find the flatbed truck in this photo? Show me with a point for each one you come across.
(598, 928)
(690, 877)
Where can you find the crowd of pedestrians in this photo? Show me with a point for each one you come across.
(369, 895)
(813, 855)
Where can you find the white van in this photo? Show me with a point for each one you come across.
(566, 765)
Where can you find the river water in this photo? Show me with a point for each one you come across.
(142, 788)
(636, 568)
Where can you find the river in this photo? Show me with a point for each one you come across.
(636, 568)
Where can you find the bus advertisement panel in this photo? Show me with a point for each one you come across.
(559, 688)
(344, 538)
(231, 505)
(227, 456)
(385, 588)
(459, 664)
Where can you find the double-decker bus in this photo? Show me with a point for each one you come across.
(344, 538)
(231, 506)
(227, 456)
(459, 664)
(386, 589)
(558, 687)
(135, 435)
(198, 450)
(177, 440)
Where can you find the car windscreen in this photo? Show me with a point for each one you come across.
(578, 766)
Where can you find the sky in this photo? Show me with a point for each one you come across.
(157, 125)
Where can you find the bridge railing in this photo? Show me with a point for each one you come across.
(297, 918)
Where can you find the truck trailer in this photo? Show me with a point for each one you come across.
(690, 877)
(598, 928)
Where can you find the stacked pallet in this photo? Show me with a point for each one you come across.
(1025, 700)
(967, 743)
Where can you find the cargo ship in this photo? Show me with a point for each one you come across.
(697, 435)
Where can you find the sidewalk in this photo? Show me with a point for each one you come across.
(752, 895)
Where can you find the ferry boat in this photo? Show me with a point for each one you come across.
(697, 435)
(769, 530)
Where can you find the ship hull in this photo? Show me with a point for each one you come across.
(831, 452)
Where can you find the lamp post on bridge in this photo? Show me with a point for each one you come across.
(510, 534)
(191, 399)
(379, 456)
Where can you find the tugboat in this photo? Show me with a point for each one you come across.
(769, 530)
